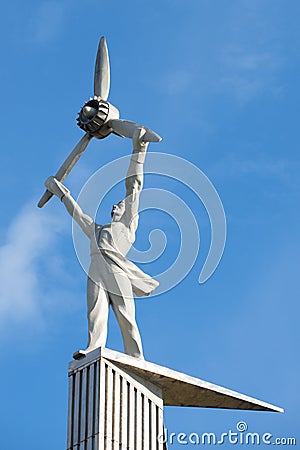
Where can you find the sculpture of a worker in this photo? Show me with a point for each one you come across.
(112, 278)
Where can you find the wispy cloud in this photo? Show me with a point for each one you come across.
(280, 169)
(238, 57)
(31, 237)
(47, 23)
(177, 82)
(247, 72)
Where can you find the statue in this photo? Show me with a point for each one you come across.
(112, 278)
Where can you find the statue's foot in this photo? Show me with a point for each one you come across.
(79, 354)
(137, 355)
(82, 353)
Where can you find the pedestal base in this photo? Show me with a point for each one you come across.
(116, 401)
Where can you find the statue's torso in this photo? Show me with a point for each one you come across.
(114, 236)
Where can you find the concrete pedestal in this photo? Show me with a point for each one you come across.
(116, 401)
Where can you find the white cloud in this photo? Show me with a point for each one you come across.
(247, 72)
(282, 170)
(241, 58)
(31, 236)
(178, 81)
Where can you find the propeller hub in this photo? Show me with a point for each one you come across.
(93, 115)
(89, 112)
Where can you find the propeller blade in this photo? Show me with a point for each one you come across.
(127, 128)
(102, 71)
(67, 166)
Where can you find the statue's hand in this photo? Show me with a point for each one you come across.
(138, 144)
(56, 187)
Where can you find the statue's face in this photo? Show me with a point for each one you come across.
(118, 211)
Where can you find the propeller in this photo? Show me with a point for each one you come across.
(67, 166)
(102, 71)
(98, 118)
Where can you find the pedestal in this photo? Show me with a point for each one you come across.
(116, 401)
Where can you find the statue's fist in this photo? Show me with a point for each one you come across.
(56, 187)
(137, 139)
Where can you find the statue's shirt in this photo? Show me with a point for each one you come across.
(110, 245)
(114, 236)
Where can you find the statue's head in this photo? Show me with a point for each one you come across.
(118, 211)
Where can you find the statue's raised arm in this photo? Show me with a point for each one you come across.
(134, 180)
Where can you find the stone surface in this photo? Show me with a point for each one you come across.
(111, 408)
(178, 389)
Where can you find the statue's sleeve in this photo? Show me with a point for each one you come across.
(85, 222)
(134, 185)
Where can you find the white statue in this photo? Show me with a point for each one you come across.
(112, 278)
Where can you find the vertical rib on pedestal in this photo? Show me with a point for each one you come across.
(110, 409)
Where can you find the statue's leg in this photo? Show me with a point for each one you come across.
(98, 309)
(120, 293)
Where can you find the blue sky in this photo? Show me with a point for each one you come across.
(220, 82)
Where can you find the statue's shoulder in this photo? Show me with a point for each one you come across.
(98, 229)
